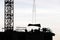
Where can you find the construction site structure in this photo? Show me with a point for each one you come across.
(9, 34)
(8, 14)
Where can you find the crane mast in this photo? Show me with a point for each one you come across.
(8, 14)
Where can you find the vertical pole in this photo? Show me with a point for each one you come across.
(34, 13)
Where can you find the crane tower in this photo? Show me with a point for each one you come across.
(8, 14)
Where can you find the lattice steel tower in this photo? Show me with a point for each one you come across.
(8, 14)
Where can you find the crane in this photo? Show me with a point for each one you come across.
(8, 14)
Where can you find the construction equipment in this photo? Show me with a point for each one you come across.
(8, 14)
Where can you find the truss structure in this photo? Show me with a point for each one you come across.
(8, 14)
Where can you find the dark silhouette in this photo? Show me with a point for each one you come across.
(40, 35)
(9, 34)
(36, 34)
(38, 25)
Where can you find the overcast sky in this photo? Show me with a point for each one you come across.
(47, 14)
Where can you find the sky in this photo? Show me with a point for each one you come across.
(47, 14)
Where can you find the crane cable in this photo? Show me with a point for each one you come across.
(34, 12)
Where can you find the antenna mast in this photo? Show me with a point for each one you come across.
(34, 16)
(8, 14)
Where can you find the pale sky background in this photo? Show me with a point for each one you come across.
(47, 11)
